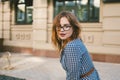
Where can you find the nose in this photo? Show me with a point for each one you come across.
(61, 29)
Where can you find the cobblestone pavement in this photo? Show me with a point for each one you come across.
(41, 68)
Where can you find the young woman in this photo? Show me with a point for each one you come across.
(75, 58)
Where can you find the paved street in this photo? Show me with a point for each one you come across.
(40, 68)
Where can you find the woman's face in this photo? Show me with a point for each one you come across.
(65, 30)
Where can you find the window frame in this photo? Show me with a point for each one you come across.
(88, 9)
(16, 14)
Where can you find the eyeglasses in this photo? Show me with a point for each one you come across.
(66, 27)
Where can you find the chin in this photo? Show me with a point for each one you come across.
(63, 38)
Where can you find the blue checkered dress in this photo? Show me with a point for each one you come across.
(76, 61)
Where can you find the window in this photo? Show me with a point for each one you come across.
(24, 12)
(85, 10)
(111, 1)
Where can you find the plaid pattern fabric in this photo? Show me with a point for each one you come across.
(76, 61)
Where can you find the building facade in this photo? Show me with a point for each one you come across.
(26, 26)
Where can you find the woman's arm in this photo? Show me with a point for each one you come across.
(72, 62)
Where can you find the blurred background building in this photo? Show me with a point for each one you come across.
(25, 26)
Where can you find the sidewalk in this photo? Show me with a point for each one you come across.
(41, 68)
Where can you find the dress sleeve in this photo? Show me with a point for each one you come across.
(72, 62)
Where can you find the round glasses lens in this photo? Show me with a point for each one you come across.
(66, 28)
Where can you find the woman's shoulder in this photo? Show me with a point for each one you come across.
(76, 43)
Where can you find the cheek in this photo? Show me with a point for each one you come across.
(70, 33)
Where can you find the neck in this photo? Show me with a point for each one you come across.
(64, 42)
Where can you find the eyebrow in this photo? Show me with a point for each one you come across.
(66, 24)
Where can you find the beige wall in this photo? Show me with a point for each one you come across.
(111, 24)
(4, 20)
(104, 37)
(100, 38)
(14, 35)
(1, 20)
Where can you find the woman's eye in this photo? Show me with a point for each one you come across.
(66, 26)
